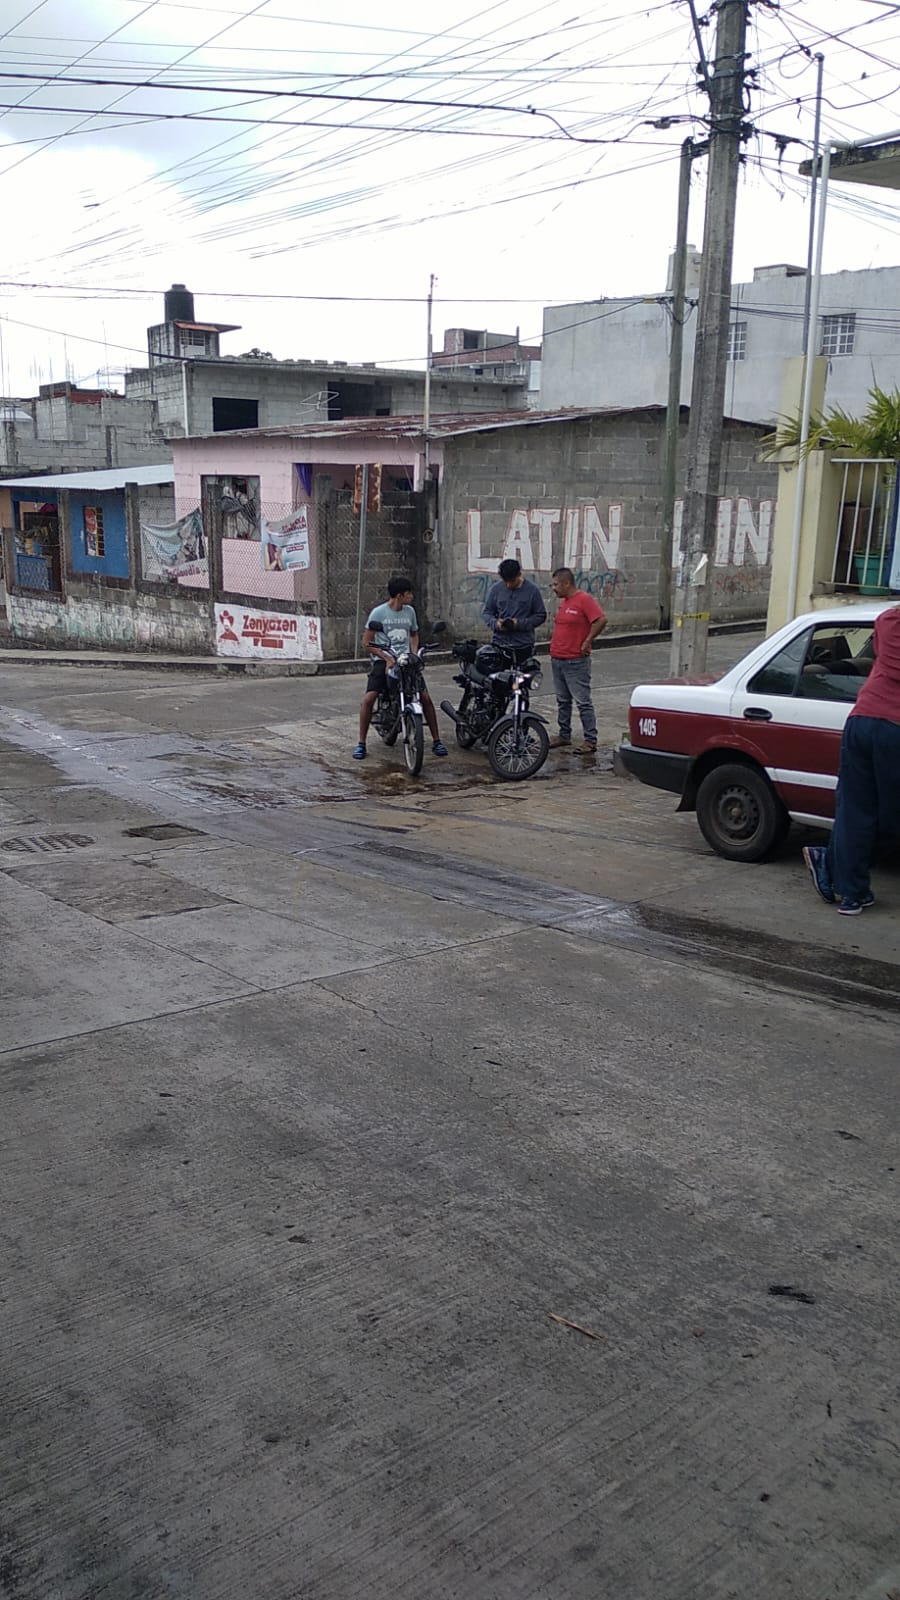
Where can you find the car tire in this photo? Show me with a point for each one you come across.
(739, 813)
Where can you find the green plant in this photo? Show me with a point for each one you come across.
(875, 434)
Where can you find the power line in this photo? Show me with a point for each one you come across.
(261, 93)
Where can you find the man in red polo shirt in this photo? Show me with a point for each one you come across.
(867, 808)
(578, 622)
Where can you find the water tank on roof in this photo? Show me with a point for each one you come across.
(179, 304)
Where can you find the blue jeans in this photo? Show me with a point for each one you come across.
(867, 808)
(572, 681)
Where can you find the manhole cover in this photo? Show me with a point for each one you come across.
(47, 841)
(165, 830)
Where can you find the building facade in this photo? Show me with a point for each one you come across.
(66, 427)
(616, 352)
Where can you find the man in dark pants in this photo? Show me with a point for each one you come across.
(513, 610)
(579, 620)
(867, 807)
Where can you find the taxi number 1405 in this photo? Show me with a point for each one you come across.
(647, 727)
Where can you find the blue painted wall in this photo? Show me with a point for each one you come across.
(114, 561)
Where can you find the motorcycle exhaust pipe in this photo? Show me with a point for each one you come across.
(451, 712)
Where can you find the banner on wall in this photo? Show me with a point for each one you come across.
(285, 545)
(267, 635)
(175, 549)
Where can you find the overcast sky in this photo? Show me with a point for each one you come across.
(536, 177)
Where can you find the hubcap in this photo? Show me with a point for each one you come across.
(737, 813)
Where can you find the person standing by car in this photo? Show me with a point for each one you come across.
(392, 629)
(513, 610)
(867, 805)
(579, 621)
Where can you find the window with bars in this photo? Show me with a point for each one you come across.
(737, 341)
(838, 334)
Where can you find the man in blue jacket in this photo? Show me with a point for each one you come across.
(513, 610)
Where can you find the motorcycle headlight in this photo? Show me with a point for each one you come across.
(537, 679)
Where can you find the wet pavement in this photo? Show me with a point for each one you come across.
(322, 1087)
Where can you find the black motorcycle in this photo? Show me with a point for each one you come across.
(398, 709)
(495, 710)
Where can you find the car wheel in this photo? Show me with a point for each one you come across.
(739, 813)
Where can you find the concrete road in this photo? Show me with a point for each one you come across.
(324, 1093)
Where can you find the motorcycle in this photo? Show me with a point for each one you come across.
(398, 709)
(495, 709)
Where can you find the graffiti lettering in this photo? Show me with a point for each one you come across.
(747, 531)
(606, 587)
(585, 537)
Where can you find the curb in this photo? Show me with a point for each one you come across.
(35, 656)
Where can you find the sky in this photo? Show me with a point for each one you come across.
(227, 144)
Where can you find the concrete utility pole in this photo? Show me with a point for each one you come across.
(673, 406)
(704, 445)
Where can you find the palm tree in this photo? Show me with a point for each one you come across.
(874, 438)
(874, 435)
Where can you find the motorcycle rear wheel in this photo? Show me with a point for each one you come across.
(511, 762)
(413, 742)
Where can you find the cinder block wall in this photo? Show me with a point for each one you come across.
(597, 482)
(394, 544)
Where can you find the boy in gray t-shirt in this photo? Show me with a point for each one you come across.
(391, 630)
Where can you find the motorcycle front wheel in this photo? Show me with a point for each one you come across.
(514, 755)
(385, 722)
(413, 742)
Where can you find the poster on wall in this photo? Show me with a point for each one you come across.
(174, 550)
(93, 532)
(285, 545)
(267, 635)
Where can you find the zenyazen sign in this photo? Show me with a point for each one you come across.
(267, 635)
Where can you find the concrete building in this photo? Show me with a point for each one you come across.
(616, 352)
(580, 488)
(66, 427)
(495, 355)
(197, 390)
(76, 557)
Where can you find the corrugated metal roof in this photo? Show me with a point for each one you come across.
(103, 478)
(444, 425)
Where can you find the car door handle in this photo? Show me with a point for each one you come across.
(757, 714)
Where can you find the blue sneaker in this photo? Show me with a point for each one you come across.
(850, 906)
(439, 748)
(359, 753)
(815, 856)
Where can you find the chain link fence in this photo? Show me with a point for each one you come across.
(268, 556)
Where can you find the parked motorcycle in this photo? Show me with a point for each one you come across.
(495, 709)
(398, 709)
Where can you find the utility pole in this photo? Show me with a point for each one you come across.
(673, 406)
(426, 424)
(704, 447)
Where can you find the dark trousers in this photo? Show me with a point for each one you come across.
(867, 809)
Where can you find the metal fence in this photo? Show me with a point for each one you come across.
(866, 522)
(38, 552)
(271, 559)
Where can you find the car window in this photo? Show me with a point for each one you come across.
(780, 675)
(838, 662)
(828, 662)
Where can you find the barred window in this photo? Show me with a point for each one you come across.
(838, 334)
(737, 341)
